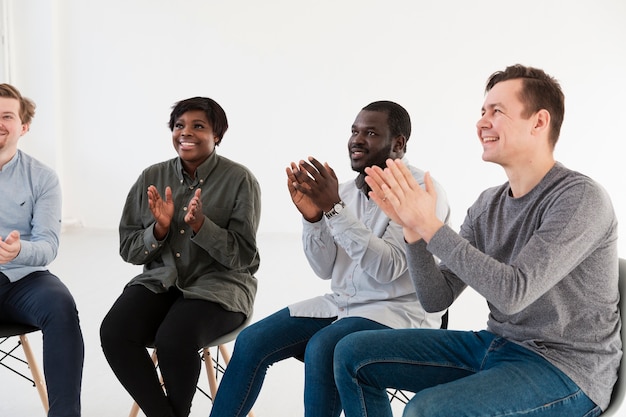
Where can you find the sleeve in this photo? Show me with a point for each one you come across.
(319, 248)
(42, 246)
(380, 257)
(234, 246)
(573, 223)
(137, 242)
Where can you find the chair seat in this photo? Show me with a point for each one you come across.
(212, 364)
(16, 329)
(9, 330)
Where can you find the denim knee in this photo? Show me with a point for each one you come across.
(343, 356)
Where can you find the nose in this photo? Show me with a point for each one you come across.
(483, 123)
(185, 131)
(358, 138)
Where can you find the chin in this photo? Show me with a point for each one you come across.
(358, 168)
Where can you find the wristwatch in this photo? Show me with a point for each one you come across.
(335, 210)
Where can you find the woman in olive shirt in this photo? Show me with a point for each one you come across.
(191, 222)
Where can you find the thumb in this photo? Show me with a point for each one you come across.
(14, 236)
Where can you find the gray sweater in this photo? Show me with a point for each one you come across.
(547, 265)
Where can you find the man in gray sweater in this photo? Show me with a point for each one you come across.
(541, 249)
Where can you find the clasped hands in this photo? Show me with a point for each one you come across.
(163, 211)
(313, 187)
(403, 200)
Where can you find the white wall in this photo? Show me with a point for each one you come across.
(292, 76)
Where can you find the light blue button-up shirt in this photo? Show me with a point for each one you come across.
(30, 204)
(362, 252)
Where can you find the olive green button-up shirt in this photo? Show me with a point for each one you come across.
(217, 263)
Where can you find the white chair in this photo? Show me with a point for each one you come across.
(214, 366)
(619, 390)
(10, 361)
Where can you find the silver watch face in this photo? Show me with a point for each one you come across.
(338, 207)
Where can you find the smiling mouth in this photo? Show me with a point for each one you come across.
(357, 153)
(490, 139)
(186, 144)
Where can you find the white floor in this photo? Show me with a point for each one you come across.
(89, 264)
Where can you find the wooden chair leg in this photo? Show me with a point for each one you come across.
(40, 382)
(210, 372)
(134, 410)
(211, 369)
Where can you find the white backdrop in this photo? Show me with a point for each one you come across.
(292, 76)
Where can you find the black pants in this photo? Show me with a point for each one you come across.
(178, 328)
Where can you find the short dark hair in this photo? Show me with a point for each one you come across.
(539, 91)
(27, 106)
(397, 117)
(215, 114)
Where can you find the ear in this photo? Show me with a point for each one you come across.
(541, 122)
(25, 128)
(399, 143)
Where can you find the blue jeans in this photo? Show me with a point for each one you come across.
(277, 337)
(41, 299)
(453, 373)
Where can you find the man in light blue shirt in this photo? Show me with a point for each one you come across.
(30, 224)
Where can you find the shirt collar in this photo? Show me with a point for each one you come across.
(202, 172)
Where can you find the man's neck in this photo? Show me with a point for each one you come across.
(5, 156)
(523, 179)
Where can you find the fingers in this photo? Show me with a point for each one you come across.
(321, 169)
(375, 180)
(330, 170)
(316, 169)
(310, 169)
(291, 176)
(13, 237)
(400, 180)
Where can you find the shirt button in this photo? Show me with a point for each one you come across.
(182, 231)
(178, 254)
(153, 246)
(145, 252)
(201, 181)
(184, 208)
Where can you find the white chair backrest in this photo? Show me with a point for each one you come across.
(619, 391)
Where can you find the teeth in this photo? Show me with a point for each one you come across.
(490, 139)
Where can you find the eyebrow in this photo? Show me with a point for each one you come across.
(364, 127)
(179, 120)
(491, 106)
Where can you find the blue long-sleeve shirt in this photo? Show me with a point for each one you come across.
(30, 204)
